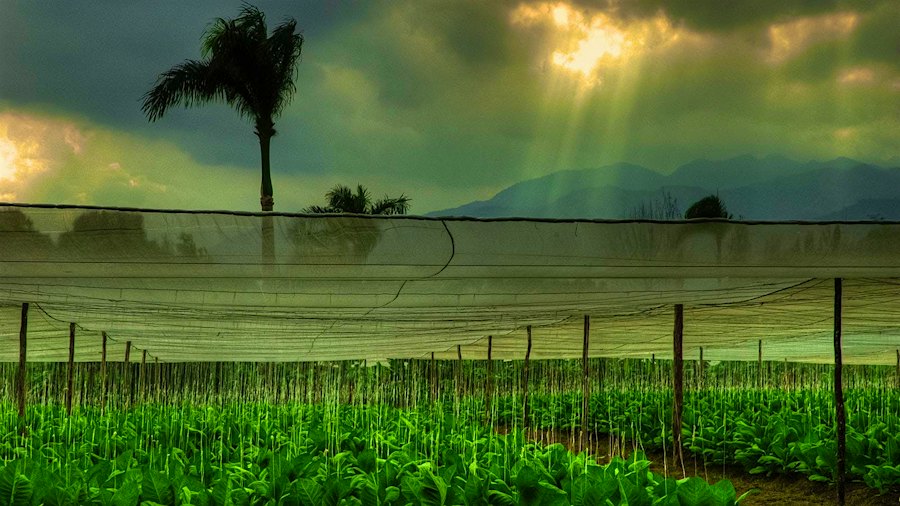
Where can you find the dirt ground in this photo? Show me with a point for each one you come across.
(777, 489)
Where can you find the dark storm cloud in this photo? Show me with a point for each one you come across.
(450, 100)
(97, 59)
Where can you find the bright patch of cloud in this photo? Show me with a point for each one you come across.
(587, 43)
(49, 159)
(790, 39)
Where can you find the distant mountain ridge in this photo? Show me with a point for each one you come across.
(753, 188)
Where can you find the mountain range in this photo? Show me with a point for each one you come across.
(753, 188)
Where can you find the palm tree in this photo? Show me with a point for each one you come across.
(710, 206)
(243, 66)
(341, 199)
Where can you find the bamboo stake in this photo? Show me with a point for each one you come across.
(23, 347)
(585, 385)
(433, 379)
(143, 380)
(70, 379)
(459, 379)
(759, 370)
(489, 386)
(702, 370)
(158, 373)
(128, 371)
(839, 393)
(678, 376)
(898, 368)
(103, 386)
(525, 406)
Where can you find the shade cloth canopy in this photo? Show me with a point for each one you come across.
(201, 286)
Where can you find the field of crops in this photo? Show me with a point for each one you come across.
(431, 433)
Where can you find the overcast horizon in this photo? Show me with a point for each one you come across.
(446, 102)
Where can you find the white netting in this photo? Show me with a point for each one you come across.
(191, 286)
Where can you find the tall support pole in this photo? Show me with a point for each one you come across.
(23, 348)
(701, 371)
(677, 383)
(898, 368)
(526, 412)
(459, 377)
(585, 383)
(143, 381)
(70, 379)
(489, 381)
(104, 383)
(128, 372)
(434, 386)
(759, 370)
(839, 393)
(158, 374)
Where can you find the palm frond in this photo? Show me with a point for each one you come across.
(189, 83)
(390, 206)
(284, 48)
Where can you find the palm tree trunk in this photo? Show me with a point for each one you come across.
(266, 199)
(265, 131)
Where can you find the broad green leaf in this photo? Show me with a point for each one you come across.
(157, 488)
(128, 495)
(15, 489)
(693, 491)
(722, 494)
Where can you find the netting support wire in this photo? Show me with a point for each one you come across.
(70, 374)
(585, 384)
(677, 385)
(20, 379)
(525, 411)
(839, 394)
(103, 382)
(489, 381)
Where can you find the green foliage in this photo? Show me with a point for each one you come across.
(303, 455)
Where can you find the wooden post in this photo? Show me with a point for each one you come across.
(143, 380)
(525, 407)
(459, 378)
(898, 368)
(839, 393)
(702, 371)
(585, 384)
(128, 372)
(434, 387)
(70, 380)
(158, 374)
(23, 347)
(759, 369)
(489, 383)
(677, 379)
(103, 386)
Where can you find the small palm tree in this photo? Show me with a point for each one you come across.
(341, 199)
(243, 66)
(710, 206)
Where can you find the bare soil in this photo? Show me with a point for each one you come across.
(794, 489)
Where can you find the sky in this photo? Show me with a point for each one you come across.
(443, 101)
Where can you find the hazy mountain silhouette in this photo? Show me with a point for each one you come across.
(767, 188)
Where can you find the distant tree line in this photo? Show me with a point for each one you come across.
(666, 208)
